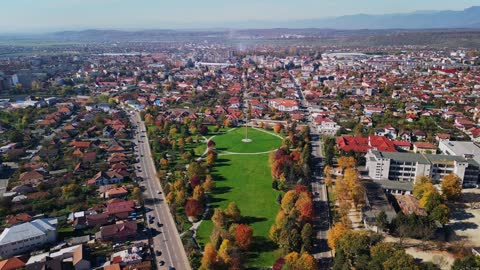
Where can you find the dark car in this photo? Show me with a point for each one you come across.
(162, 263)
(159, 224)
(158, 253)
(171, 268)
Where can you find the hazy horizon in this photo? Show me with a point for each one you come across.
(29, 16)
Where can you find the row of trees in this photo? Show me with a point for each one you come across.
(293, 231)
(228, 241)
(290, 164)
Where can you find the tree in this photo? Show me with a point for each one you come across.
(307, 236)
(306, 262)
(195, 169)
(148, 119)
(290, 240)
(209, 258)
(193, 208)
(451, 187)
(243, 236)
(164, 163)
(224, 252)
(400, 261)
(209, 184)
(441, 214)
(346, 162)
(337, 231)
(218, 218)
(277, 128)
(289, 199)
(71, 190)
(199, 193)
(137, 194)
(211, 157)
(180, 197)
(381, 221)
(233, 212)
(467, 263)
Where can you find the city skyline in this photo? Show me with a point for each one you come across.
(56, 15)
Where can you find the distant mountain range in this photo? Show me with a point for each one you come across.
(468, 18)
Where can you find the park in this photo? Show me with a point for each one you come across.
(242, 175)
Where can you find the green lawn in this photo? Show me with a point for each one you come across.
(261, 141)
(246, 180)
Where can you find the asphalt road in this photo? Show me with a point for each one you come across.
(321, 223)
(166, 238)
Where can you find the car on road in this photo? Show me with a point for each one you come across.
(162, 263)
(158, 253)
(171, 268)
(159, 224)
(159, 192)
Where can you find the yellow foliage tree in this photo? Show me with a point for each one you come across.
(336, 232)
(451, 187)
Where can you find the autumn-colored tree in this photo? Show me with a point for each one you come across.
(137, 195)
(336, 232)
(148, 119)
(422, 185)
(211, 144)
(181, 142)
(341, 189)
(193, 208)
(277, 128)
(243, 236)
(198, 193)
(195, 169)
(291, 258)
(194, 181)
(209, 184)
(306, 211)
(203, 130)
(226, 123)
(209, 258)
(327, 170)
(180, 197)
(164, 163)
(224, 252)
(218, 218)
(233, 212)
(170, 197)
(346, 162)
(211, 157)
(451, 187)
(289, 199)
(173, 131)
(306, 262)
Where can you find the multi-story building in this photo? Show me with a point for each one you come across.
(409, 166)
(27, 236)
(471, 152)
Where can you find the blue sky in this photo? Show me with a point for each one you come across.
(52, 15)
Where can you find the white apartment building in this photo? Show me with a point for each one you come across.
(471, 152)
(407, 167)
(27, 236)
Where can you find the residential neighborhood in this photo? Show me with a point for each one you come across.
(198, 154)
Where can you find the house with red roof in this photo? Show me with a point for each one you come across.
(362, 145)
(118, 231)
(284, 105)
(12, 264)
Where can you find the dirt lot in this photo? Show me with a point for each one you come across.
(465, 219)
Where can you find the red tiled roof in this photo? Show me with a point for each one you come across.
(362, 145)
(11, 264)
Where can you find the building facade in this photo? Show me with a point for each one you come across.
(409, 166)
